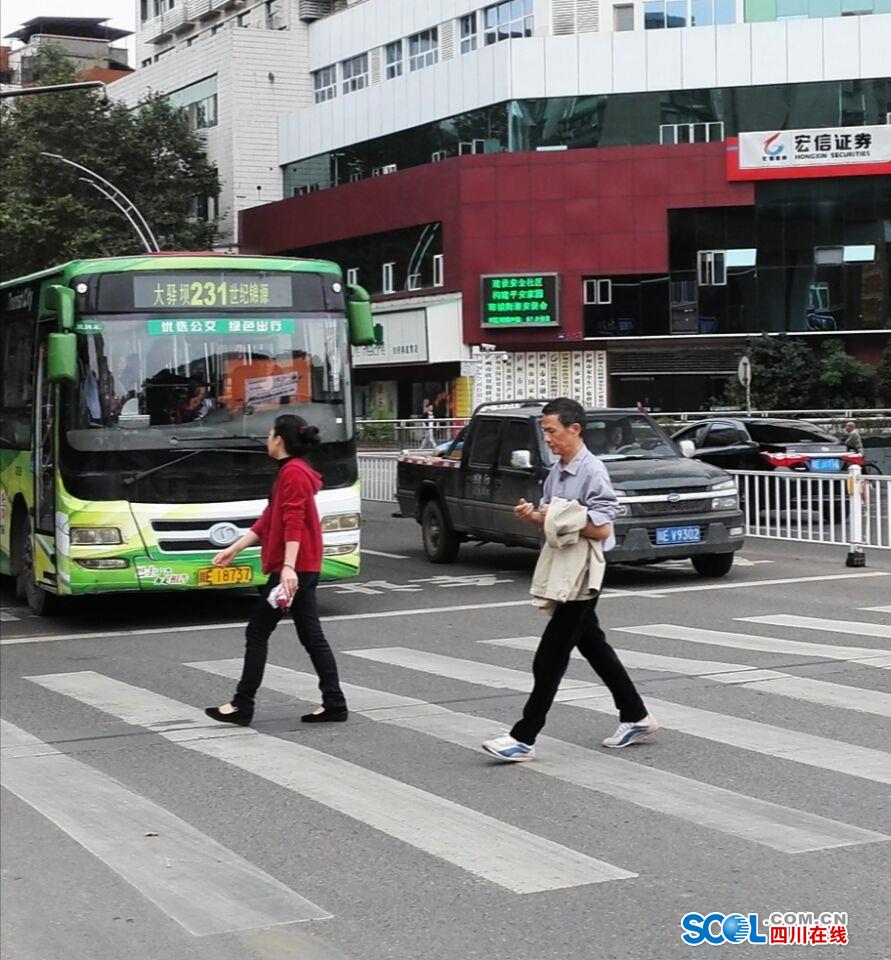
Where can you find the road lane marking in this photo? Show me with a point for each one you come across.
(806, 689)
(756, 737)
(203, 886)
(747, 641)
(655, 593)
(7, 616)
(876, 609)
(497, 851)
(389, 556)
(726, 811)
(857, 628)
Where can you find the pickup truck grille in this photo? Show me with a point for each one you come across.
(662, 508)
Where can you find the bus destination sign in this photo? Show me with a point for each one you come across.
(520, 300)
(192, 291)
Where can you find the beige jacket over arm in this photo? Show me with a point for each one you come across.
(570, 567)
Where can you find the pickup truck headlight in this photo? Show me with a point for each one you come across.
(339, 522)
(723, 485)
(623, 510)
(725, 503)
(95, 536)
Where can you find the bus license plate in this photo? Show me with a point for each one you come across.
(825, 465)
(666, 535)
(224, 576)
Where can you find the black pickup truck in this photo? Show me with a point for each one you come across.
(671, 506)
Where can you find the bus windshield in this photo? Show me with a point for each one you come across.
(146, 382)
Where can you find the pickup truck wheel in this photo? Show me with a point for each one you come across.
(441, 543)
(712, 564)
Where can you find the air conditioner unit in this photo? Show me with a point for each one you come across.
(414, 281)
(375, 171)
(389, 168)
(355, 177)
(438, 155)
(598, 292)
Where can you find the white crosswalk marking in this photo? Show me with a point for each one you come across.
(506, 855)
(780, 828)
(746, 641)
(7, 616)
(202, 885)
(858, 628)
(738, 732)
(770, 681)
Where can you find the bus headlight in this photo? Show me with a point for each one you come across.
(339, 549)
(340, 521)
(95, 536)
(105, 563)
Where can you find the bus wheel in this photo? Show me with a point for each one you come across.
(441, 543)
(39, 601)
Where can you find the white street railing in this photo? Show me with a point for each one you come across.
(845, 509)
(777, 505)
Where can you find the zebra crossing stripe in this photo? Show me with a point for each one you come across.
(484, 846)
(725, 811)
(883, 609)
(751, 735)
(7, 616)
(205, 887)
(858, 628)
(747, 641)
(806, 689)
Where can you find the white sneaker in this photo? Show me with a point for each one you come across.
(628, 733)
(510, 749)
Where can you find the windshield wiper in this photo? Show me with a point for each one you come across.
(175, 438)
(129, 481)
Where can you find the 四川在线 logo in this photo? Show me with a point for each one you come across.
(780, 927)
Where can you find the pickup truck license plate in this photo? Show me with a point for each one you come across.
(224, 576)
(667, 535)
(825, 465)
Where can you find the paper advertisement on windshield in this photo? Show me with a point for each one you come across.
(261, 391)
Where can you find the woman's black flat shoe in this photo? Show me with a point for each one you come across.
(327, 716)
(239, 718)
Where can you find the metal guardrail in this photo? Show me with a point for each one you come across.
(777, 505)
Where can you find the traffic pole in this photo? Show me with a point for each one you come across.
(856, 554)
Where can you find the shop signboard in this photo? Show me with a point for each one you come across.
(400, 337)
(818, 152)
(514, 300)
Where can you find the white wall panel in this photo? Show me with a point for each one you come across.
(341, 121)
(527, 66)
(361, 118)
(804, 50)
(455, 71)
(875, 45)
(841, 50)
(699, 65)
(629, 61)
(428, 80)
(488, 64)
(501, 75)
(387, 96)
(562, 66)
(442, 77)
(769, 52)
(470, 78)
(595, 63)
(663, 60)
(734, 56)
(408, 110)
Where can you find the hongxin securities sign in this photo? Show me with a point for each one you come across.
(520, 300)
(789, 154)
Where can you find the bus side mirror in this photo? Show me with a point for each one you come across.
(359, 316)
(61, 357)
(60, 300)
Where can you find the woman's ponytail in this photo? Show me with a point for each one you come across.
(298, 436)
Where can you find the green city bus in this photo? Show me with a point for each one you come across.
(137, 393)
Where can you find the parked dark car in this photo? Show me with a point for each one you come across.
(671, 507)
(788, 446)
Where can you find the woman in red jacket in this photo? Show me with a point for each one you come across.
(290, 536)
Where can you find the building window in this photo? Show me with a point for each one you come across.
(394, 59)
(423, 49)
(509, 20)
(414, 281)
(199, 102)
(659, 14)
(163, 53)
(324, 83)
(352, 275)
(274, 18)
(147, 62)
(355, 73)
(438, 270)
(143, 10)
(623, 17)
(671, 133)
(243, 20)
(598, 292)
(387, 278)
(467, 30)
(711, 268)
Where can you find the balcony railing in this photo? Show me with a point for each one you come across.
(200, 9)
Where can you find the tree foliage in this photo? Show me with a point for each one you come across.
(883, 379)
(842, 381)
(49, 215)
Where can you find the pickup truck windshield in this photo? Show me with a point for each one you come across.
(628, 437)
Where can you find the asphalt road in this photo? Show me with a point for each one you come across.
(133, 828)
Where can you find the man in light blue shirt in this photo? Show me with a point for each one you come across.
(576, 475)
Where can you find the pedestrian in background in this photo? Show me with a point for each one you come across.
(428, 416)
(290, 535)
(577, 475)
(851, 438)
